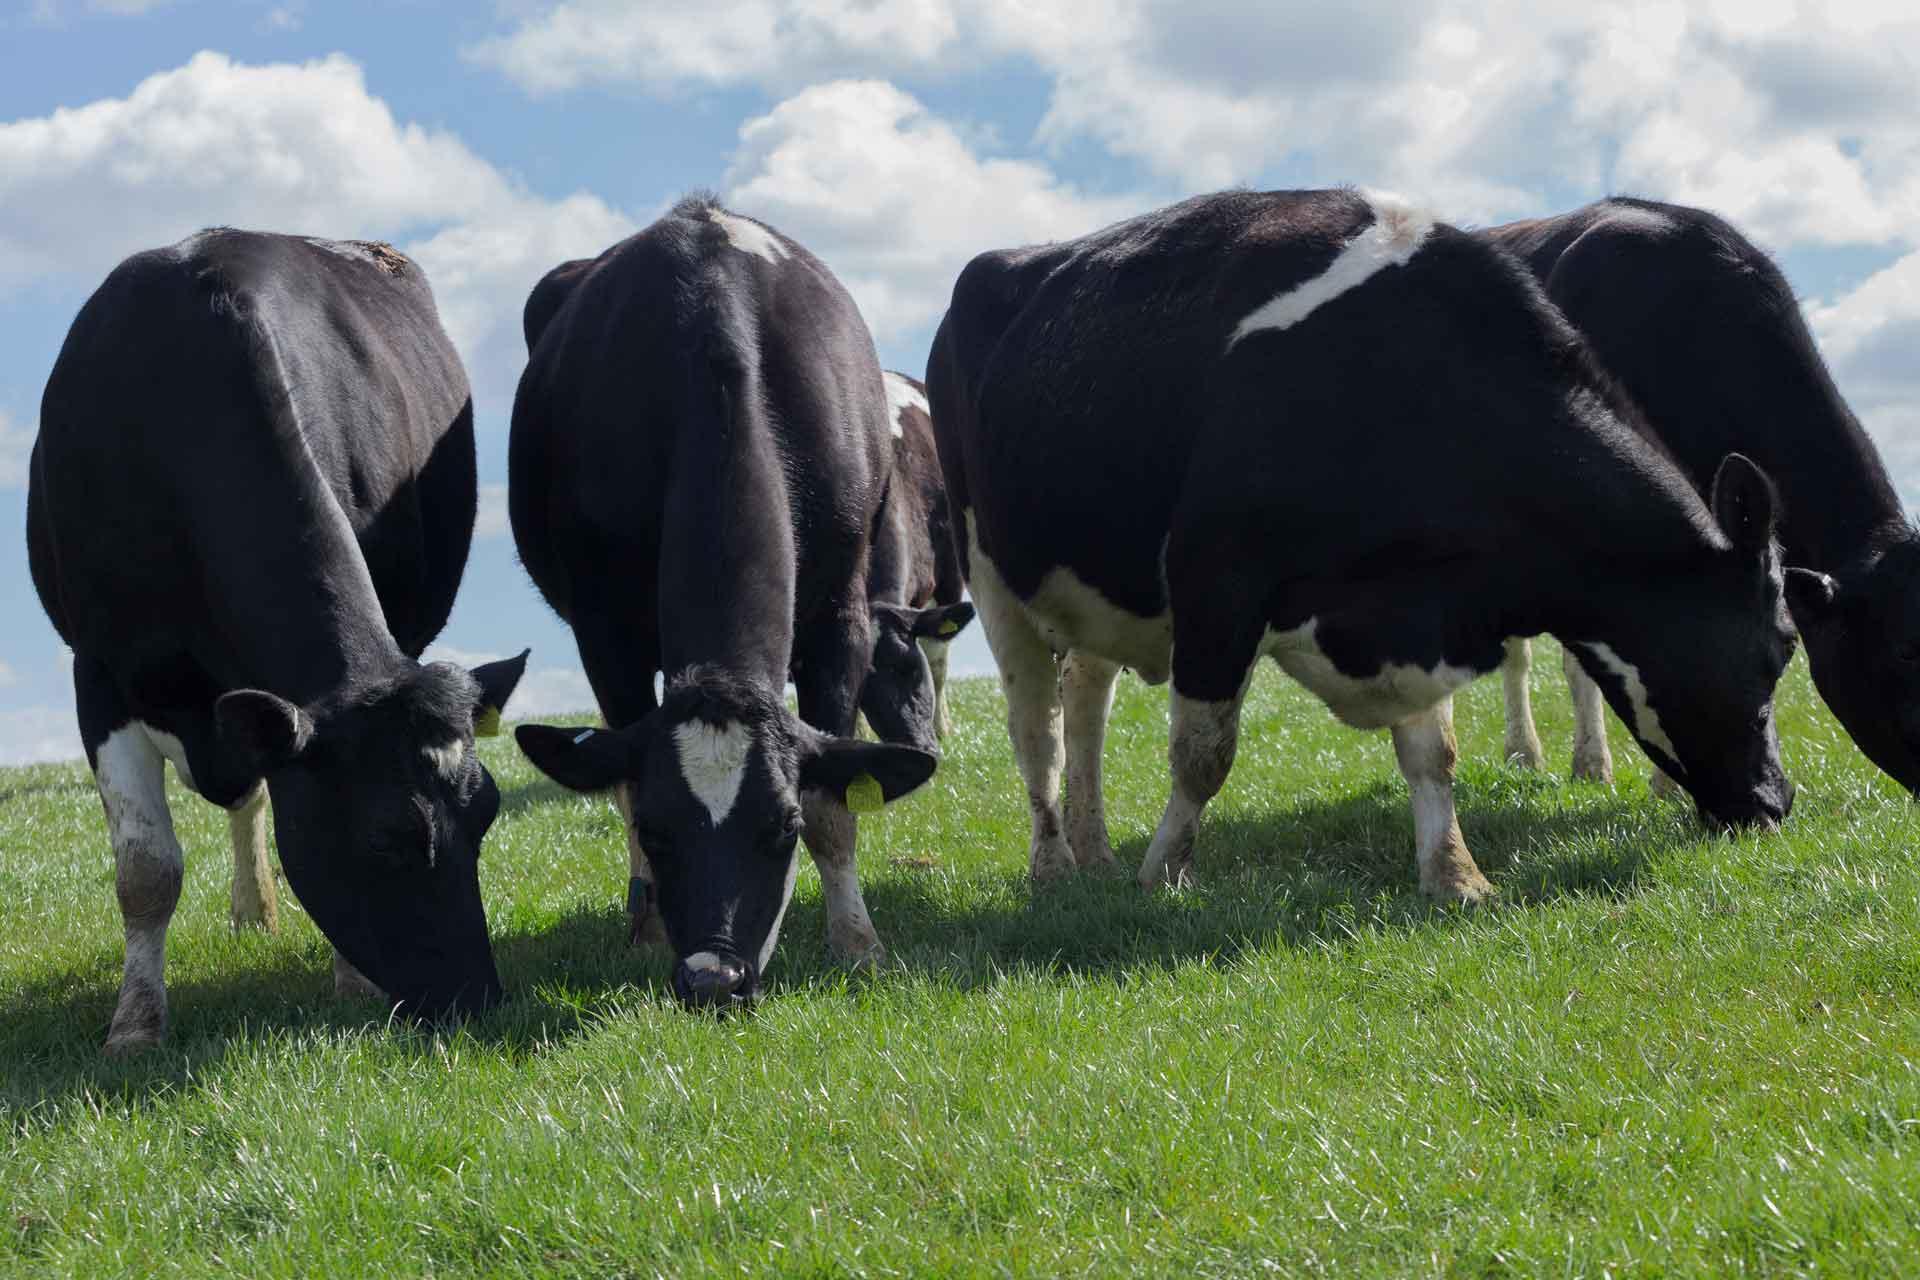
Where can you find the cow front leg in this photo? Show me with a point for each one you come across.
(147, 870)
(644, 925)
(1424, 746)
(832, 669)
(1086, 693)
(1204, 735)
(937, 652)
(1523, 741)
(1592, 760)
(254, 898)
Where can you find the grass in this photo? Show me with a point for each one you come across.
(1665, 1053)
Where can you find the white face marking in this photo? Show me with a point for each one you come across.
(170, 747)
(748, 237)
(1072, 615)
(1396, 234)
(449, 759)
(786, 899)
(902, 396)
(1646, 721)
(713, 760)
(702, 961)
(1398, 690)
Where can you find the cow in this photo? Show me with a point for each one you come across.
(1702, 330)
(1323, 427)
(914, 581)
(698, 455)
(249, 508)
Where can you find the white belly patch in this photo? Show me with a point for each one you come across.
(1396, 691)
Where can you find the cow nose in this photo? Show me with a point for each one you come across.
(709, 981)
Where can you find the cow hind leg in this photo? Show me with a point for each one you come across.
(147, 870)
(1523, 741)
(254, 897)
(1424, 746)
(1030, 678)
(1592, 760)
(1204, 736)
(936, 651)
(1086, 691)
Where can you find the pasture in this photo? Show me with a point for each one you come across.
(1663, 1053)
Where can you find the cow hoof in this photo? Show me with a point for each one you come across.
(351, 984)
(646, 931)
(1102, 862)
(858, 949)
(1461, 889)
(125, 1044)
(1176, 875)
(1593, 769)
(1051, 860)
(1526, 755)
(1662, 786)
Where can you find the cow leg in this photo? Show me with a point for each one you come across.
(351, 984)
(1030, 678)
(620, 664)
(1663, 786)
(1424, 746)
(254, 897)
(936, 651)
(1523, 742)
(1592, 761)
(833, 667)
(147, 870)
(1204, 735)
(1086, 690)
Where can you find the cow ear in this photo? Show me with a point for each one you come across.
(865, 775)
(580, 759)
(264, 729)
(1744, 504)
(1810, 595)
(942, 622)
(497, 683)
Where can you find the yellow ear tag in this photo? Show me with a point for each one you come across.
(948, 627)
(487, 723)
(864, 795)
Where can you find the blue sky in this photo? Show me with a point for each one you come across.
(896, 138)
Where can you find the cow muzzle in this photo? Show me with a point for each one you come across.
(716, 981)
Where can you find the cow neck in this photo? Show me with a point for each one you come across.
(727, 556)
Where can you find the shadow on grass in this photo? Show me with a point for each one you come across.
(1312, 875)
(532, 795)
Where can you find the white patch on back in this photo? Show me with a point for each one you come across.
(1646, 721)
(748, 237)
(170, 747)
(1396, 691)
(713, 760)
(1395, 235)
(901, 396)
(1070, 614)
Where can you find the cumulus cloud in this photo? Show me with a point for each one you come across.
(289, 147)
(1871, 337)
(29, 735)
(16, 445)
(893, 197)
(542, 691)
(491, 520)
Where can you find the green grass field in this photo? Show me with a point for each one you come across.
(1665, 1053)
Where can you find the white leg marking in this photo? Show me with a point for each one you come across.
(1646, 721)
(649, 929)
(902, 395)
(1031, 680)
(1592, 758)
(831, 832)
(254, 897)
(936, 651)
(1424, 746)
(713, 760)
(1203, 736)
(748, 237)
(1391, 240)
(148, 866)
(1523, 741)
(1086, 690)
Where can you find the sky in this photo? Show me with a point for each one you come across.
(896, 138)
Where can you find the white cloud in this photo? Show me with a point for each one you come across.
(491, 520)
(893, 198)
(1870, 338)
(29, 735)
(16, 446)
(8, 676)
(542, 691)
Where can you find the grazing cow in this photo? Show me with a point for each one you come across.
(250, 506)
(1701, 329)
(699, 453)
(1322, 427)
(914, 581)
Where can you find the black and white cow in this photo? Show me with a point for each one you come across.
(914, 581)
(250, 506)
(700, 447)
(1701, 329)
(1321, 427)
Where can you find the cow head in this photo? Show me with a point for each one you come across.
(1690, 666)
(379, 806)
(898, 694)
(714, 778)
(1863, 648)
